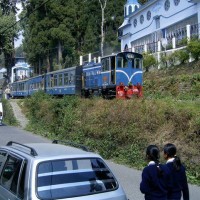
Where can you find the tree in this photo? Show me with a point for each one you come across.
(56, 33)
(103, 6)
(8, 31)
(90, 41)
(8, 7)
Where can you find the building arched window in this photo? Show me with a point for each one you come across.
(135, 22)
(129, 10)
(125, 11)
(141, 19)
(126, 48)
(167, 5)
(148, 15)
(176, 2)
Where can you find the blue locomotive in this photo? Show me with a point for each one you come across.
(115, 76)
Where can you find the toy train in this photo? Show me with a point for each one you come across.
(115, 76)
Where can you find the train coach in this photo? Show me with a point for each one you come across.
(115, 76)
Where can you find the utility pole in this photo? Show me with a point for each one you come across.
(103, 6)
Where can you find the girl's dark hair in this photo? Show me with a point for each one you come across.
(153, 153)
(170, 151)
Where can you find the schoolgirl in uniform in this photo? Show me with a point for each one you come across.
(154, 176)
(179, 183)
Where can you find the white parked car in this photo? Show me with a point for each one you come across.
(50, 171)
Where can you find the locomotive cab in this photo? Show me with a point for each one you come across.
(116, 76)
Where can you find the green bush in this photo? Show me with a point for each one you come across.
(163, 60)
(149, 60)
(172, 58)
(193, 47)
(183, 42)
(182, 56)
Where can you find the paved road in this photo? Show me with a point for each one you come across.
(128, 177)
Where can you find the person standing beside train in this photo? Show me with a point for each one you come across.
(7, 93)
(154, 184)
(178, 176)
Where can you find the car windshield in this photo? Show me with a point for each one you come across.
(75, 177)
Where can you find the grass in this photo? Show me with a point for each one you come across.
(8, 115)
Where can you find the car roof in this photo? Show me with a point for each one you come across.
(49, 150)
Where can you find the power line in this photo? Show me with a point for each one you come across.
(24, 17)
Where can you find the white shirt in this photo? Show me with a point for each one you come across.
(170, 160)
(151, 163)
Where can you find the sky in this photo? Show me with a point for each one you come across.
(18, 42)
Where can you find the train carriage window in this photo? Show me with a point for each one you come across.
(52, 81)
(66, 79)
(87, 73)
(48, 81)
(42, 83)
(60, 80)
(55, 77)
(112, 63)
(125, 63)
(120, 62)
(105, 64)
(138, 63)
(71, 78)
(21, 86)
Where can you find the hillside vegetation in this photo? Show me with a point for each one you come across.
(121, 130)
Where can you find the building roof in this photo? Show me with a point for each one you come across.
(2, 70)
(125, 23)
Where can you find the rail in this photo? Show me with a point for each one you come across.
(32, 150)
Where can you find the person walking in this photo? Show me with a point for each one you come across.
(154, 182)
(179, 185)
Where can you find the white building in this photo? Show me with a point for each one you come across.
(165, 22)
(21, 70)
